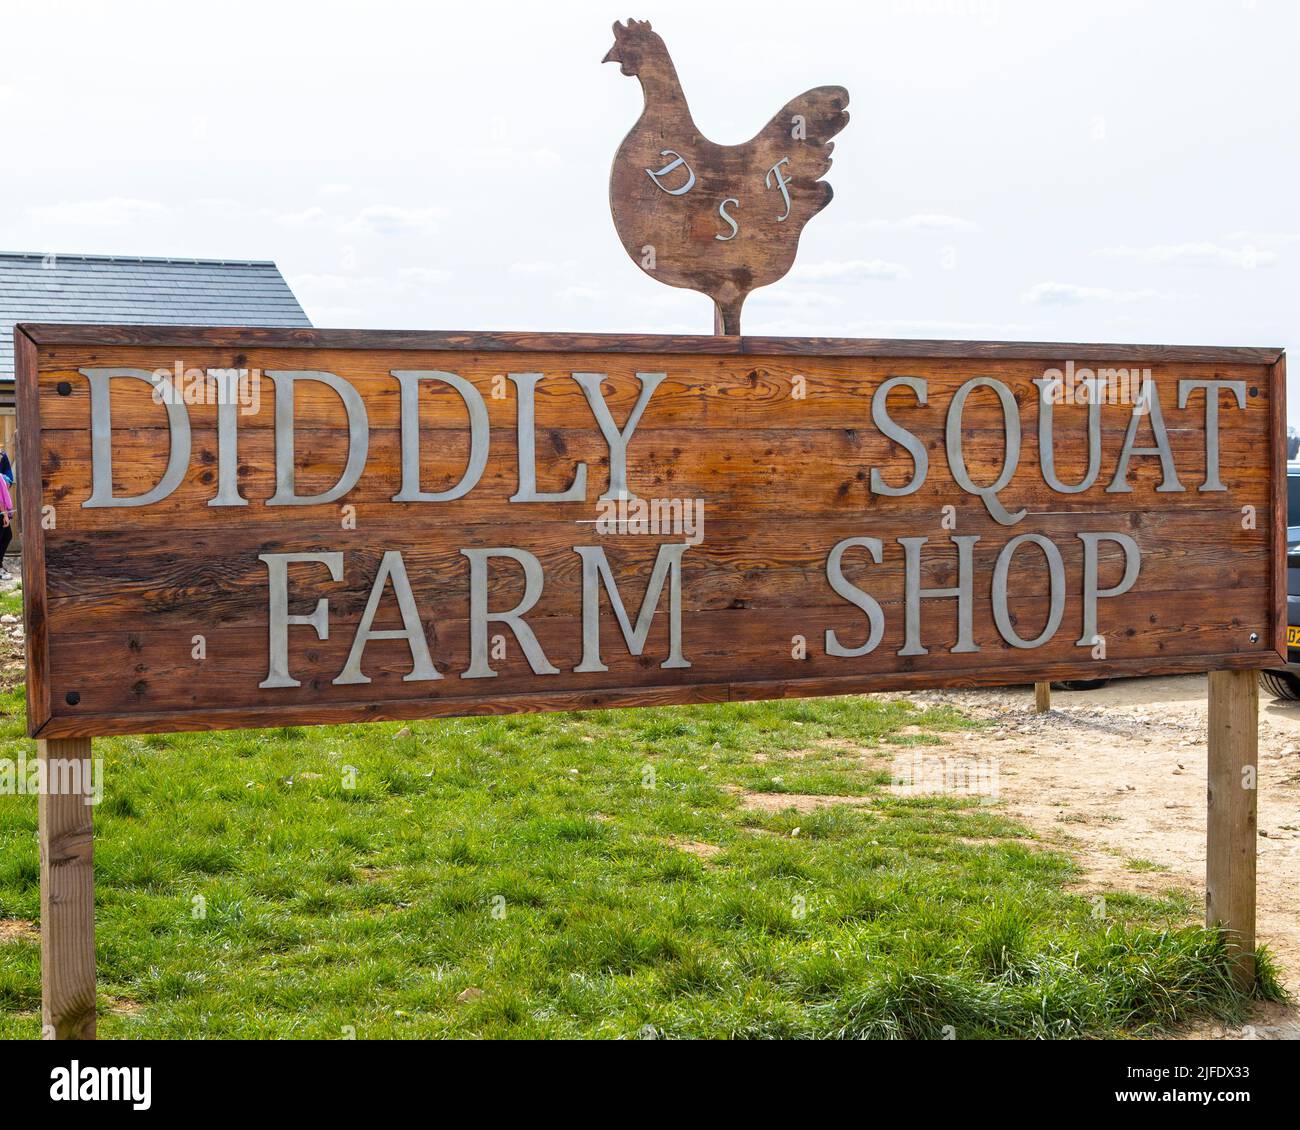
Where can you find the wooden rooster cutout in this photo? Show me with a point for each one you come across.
(721, 219)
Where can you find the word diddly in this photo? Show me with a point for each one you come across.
(903, 474)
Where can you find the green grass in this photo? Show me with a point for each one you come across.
(244, 889)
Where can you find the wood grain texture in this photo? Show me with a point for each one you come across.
(779, 447)
(67, 900)
(494, 341)
(1278, 517)
(28, 407)
(1231, 803)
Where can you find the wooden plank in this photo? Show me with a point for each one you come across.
(154, 668)
(257, 337)
(1042, 697)
(1278, 514)
(1231, 814)
(782, 469)
(112, 575)
(378, 709)
(30, 501)
(707, 392)
(67, 894)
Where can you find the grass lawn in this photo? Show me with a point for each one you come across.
(599, 874)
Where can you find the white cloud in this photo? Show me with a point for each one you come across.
(424, 276)
(332, 283)
(911, 328)
(851, 270)
(114, 211)
(798, 299)
(338, 316)
(923, 221)
(579, 294)
(312, 215)
(375, 289)
(390, 219)
(220, 205)
(540, 157)
(940, 328)
(1249, 238)
(1195, 255)
(543, 267)
(1069, 294)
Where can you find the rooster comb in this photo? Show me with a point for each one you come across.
(633, 27)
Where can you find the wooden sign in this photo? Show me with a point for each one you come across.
(720, 219)
(244, 527)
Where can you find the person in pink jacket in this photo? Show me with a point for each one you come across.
(6, 525)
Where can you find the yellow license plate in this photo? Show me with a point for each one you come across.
(1293, 637)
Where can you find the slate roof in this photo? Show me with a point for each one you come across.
(136, 291)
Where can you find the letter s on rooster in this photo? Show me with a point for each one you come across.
(722, 211)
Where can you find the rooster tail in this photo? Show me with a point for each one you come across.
(813, 118)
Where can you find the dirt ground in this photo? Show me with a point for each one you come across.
(1116, 777)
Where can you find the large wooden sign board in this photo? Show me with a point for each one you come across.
(363, 526)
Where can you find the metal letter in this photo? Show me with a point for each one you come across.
(654, 175)
(1148, 400)
(595, 568)
(480, 617)
(1212, 390)
(422, 669)
(1047, 388)
(1011, 450)
(1132, 565)
(526, 383)
(358, 437)
(278, 618)
(855, 596)
(900, 435)
(913, 594)
(227, 451)
(101, 440)
(781, 180)
(478, 435)
(617, 440)
(1056, 578)
(722, 211)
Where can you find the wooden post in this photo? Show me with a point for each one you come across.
(67, 893)
(1042, 697)
(1230, 801)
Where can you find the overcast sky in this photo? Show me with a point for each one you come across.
(1089, 171)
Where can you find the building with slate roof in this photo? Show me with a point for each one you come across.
(116, 289)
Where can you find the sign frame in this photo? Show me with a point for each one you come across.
(45, 723)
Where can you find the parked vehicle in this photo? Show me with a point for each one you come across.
(1285, 682)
